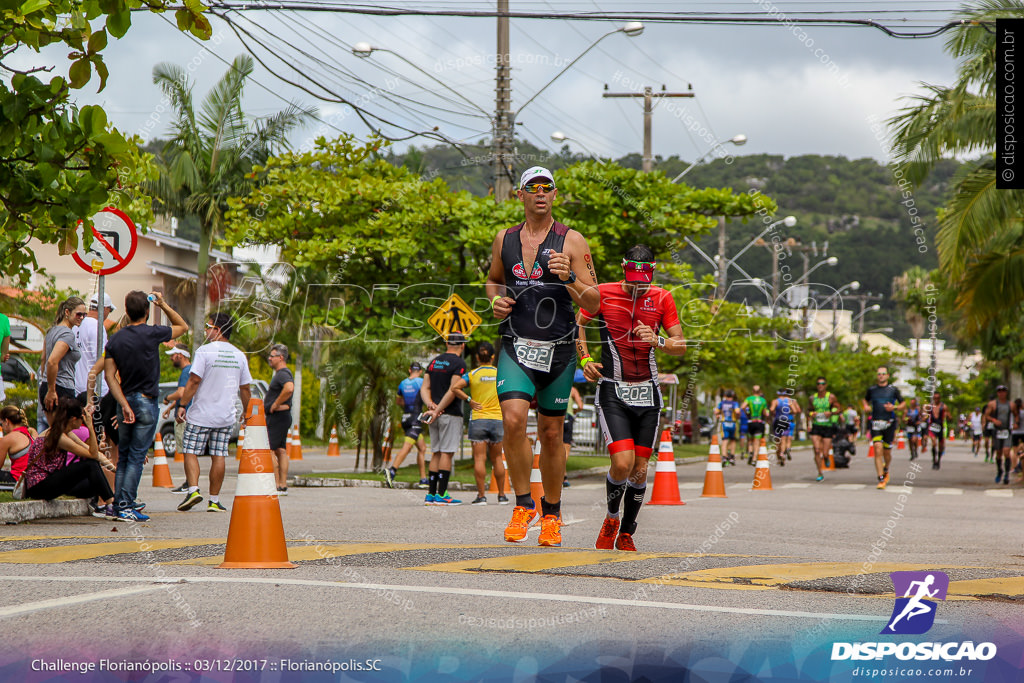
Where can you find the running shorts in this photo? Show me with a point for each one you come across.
(729, 431)
(824, 431)
(884, 436)
(780, 428)
(412, 426)
(626, 427)
(755, 428)
(935, 433)
(551, 389)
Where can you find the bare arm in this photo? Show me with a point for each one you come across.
(578, 260)
(425, 393)
(495, 285)
(114, 386)
(52, 362)
(5, 348)
(592, 370)
(190, 390)
(178, 324)
(286, 393)
(244, 393)
(575, 397)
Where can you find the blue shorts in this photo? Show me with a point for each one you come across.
(729, 432)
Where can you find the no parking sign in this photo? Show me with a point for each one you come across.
(114, 239)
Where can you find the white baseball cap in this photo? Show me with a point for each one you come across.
(107, 303)
(533, 173)
(177, 350)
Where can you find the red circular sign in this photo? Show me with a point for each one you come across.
(114, 240)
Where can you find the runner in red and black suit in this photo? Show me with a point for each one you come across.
(628, 397)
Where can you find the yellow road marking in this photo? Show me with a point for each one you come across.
(771, 576)
(318, 551)
(1012, 586)
(555, 560)
(88, 551)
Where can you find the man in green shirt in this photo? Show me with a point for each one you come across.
(5, 349)
(821, 417)
(756, 406)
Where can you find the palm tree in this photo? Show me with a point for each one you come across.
(980, 238)
(212, 153)
(909, 289)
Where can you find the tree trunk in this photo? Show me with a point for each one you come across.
(202, 266)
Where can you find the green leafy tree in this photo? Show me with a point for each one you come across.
(59, 163)
(212, 151)
(981, 237)
(914, 290)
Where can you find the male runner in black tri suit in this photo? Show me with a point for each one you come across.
(539, 268)
(935, 414)
(883, 400)
(1002, 414)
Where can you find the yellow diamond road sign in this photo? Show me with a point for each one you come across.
(454, 315)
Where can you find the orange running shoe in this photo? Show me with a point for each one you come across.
(521, 521)
(625, 542)
(550, 532)
(606, 539)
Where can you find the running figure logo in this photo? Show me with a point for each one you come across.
(914, 611)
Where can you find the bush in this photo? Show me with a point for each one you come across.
(25, 396)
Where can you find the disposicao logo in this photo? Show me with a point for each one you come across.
(914, 614)
(916, 593)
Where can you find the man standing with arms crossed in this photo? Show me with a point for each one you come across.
(219, 371)
(628, 399)
(277, 408)
(882, 401)
(445, 418)
(539, 268)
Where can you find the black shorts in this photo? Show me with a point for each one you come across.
(780, 428)
(412, 426)
(278, 425)
(627, 427)
(62, 392)
(103, 418)
(940, 435)
(824, 431)
(567, 425)
(886, 436)
(755, 428)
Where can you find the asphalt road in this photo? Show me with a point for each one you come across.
(759, 583)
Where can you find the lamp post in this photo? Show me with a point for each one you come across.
(853, 287)
(559, 136)
(364, 50)
(860, 317)
(505, 118)
(738, 140)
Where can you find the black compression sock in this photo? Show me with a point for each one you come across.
(433, 482)
(442, 482)
(547, 508)
(615, 491)
(525, 501)
(634, 500)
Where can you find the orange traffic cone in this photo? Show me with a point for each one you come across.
(241, 442)
(762, 473)
(871, 450)
(332, 445)
(536, 481)
(714, 482)
(256, 533)
(295, 452)
(952, 435)
(901, 444)
(829, 463)
(161, 472)
(666, 481)
(493, 488)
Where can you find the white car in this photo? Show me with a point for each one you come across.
(584, 430)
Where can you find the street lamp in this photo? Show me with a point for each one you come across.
(830, 261)
(737, 140)
(363, 50)
(559, 136)
(860, 332)
(853, 286)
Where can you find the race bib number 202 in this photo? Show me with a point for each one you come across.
(640, 395)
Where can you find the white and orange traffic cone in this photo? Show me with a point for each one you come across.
(332, 445)
(161, 472)
(871, 450)
(666, 481)
(714, 482)
(762, 473)
(295, 444)
(901, 444)
(536, 481)
(493, 488)
(241, 442)
(256, 533)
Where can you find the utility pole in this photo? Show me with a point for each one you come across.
(649, 96)
(864, 300)
(502, 135)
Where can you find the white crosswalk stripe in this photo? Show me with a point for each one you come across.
(949, 492)
(849, 487)
(795, 485)
(999, 493)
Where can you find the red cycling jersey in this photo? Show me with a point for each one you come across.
(627, 357)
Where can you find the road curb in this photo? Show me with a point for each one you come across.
(26, 510)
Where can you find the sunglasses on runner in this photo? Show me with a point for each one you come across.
(534, 188)
(638, 271)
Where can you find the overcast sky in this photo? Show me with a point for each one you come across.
(766, 82)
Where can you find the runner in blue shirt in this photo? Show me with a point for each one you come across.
(412, 406)
(728, 411)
